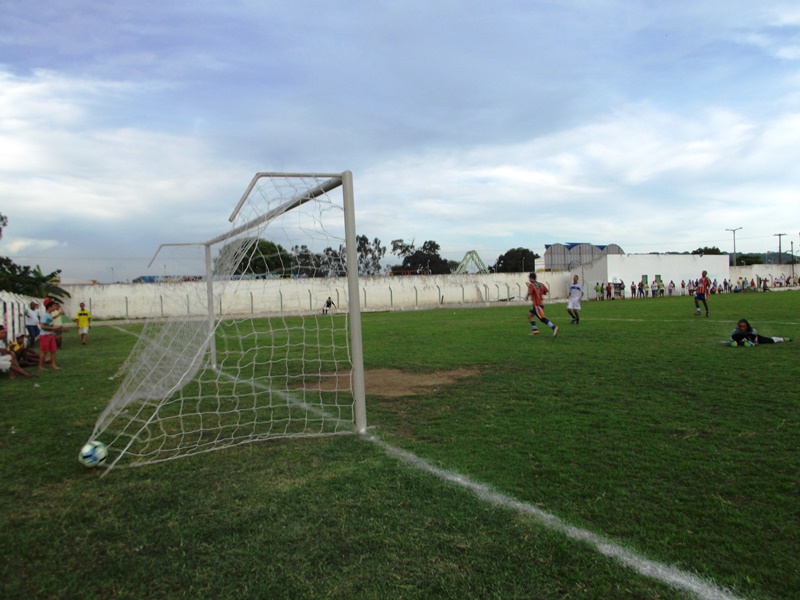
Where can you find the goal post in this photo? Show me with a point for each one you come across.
(240, 345)
(359, 388)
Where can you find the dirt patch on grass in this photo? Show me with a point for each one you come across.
(391, 383)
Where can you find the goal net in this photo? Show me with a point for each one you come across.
(252, 335)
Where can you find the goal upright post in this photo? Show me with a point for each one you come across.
(354, 304)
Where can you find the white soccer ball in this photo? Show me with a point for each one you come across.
(93, 454)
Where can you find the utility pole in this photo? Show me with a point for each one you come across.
(734, 243)
(780, 257)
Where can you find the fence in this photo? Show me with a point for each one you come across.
(12, 312)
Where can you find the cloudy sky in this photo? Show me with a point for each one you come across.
(479, 125)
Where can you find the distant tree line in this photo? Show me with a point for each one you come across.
(753, 258)
(264, 258)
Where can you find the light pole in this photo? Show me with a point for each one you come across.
(780, 258)
(734, 242)
(112, 274)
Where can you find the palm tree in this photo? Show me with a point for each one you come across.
(30, 282)
(47, 286)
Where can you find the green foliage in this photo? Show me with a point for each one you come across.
(269, 258)
(369, 255)
(266, 258)
(516, 260)
(425, 260)
(254, 257)
(30, 282)
(402, 249)
(707, 250)
(749, 259)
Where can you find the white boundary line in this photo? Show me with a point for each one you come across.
(731, 322)
(670, 575)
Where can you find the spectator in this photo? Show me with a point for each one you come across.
(47, 340)
(84, 320)
(8, 360)
(32, 322)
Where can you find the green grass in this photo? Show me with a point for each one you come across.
(636, 425)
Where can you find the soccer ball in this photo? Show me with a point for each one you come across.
(93, 454)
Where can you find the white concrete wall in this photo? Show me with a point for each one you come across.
(290, 296)
(631, 267)
(769, 272)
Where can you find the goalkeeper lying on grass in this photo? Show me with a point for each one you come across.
(745, 335)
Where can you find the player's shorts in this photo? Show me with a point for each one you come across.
(47, 343)
(573, 304)
(700, 297)
(538, 311)
(83, 330)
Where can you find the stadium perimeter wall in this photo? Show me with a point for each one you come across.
(675, 267)
(379, 293)
(303, 296)
(670, 267)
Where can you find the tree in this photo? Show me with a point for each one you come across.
(256, 257)
(306, 263)
(369, 255)
(333, 263)
(30, 282)
(749, 259)
(707, 250)
(401, 249)
(516, 260)
(3, 223)
(423, 261)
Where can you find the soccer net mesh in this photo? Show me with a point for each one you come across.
(252, 335)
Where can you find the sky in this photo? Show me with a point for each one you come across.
(486, 126)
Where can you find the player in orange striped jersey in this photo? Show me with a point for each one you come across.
(701, 293)
(536, 291)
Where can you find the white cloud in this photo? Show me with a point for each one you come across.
(513, 124)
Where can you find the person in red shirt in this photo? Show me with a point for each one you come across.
(701, 292)
(536, 291)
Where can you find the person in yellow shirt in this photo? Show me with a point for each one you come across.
(26, 357)
(84, 320)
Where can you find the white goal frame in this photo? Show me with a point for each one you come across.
(205, 350)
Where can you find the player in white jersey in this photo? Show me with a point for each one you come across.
(574, 300)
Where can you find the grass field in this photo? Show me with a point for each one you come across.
(637, 426)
